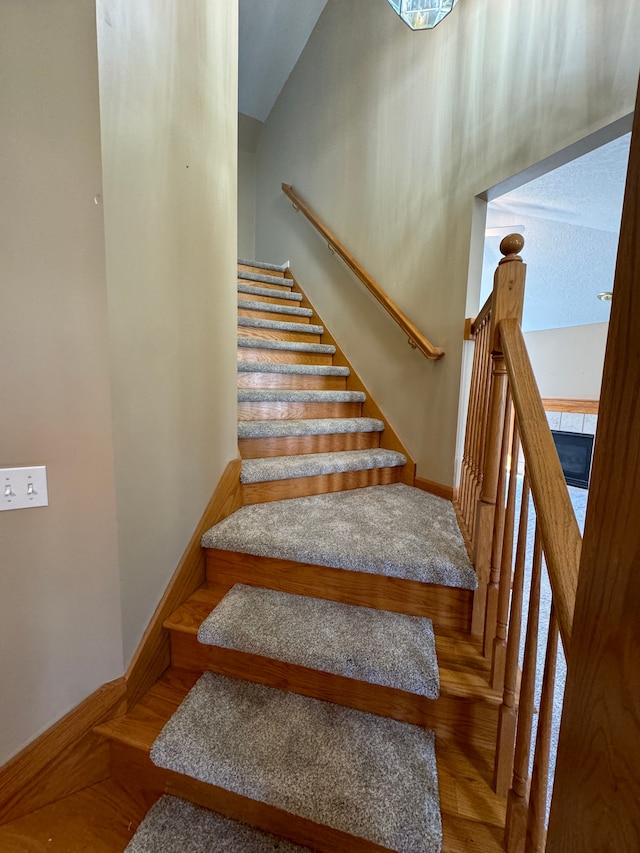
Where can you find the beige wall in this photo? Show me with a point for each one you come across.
(246, 205)
(568, 362)
(390, 135)
(60, 634)
(168, 88)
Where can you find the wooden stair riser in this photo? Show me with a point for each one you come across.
(296, 411)
(468, 719)
(449, 608)
(278, 334)
(261, 271)
(292, 381)
(282, 356)
(129, 763)
(321, 484)
(272, 315)
(272, 300)
(291, 445)
(268, 284)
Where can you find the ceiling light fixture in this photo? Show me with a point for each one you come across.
(422, 14)
(605, 296)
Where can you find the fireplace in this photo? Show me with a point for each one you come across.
(575, 450)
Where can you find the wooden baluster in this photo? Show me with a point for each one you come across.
(497, 544)
(536, 832)
(466, 485)
(508, 714)
(506, 559)
(518, 798)
(479, 416)
(479, 437)
(508, 297)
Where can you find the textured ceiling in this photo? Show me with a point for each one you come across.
(571, 220)
(273, 34)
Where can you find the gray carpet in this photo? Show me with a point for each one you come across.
(291, 346)
(273, 308)
(288, 395)
(266, 291)
(176, 826)
(391, 530)
(278, 326)
(262, 265)
(369, 645)
(272, 468)
(357, 772)
(308, 426)
(266, 279)
(283, 367)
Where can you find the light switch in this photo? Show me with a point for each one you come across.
(23, 488)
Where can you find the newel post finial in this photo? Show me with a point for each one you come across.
(511, 246)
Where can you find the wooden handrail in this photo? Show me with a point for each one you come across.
(416, 339)
(476, 325)
(558, 525)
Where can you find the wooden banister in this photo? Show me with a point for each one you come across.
(558, 525)
(476, 325)
(416, 339)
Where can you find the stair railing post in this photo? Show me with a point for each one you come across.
(507, 302)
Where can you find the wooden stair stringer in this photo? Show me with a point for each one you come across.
(370, 409)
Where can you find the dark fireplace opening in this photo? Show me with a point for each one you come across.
(575, 450)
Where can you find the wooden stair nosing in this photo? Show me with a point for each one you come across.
(447, 607)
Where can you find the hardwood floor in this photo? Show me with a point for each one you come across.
(99, 819)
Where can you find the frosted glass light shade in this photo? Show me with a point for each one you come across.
(422, 14)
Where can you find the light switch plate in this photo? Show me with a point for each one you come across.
(23, 488)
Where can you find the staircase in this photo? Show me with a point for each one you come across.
(328, 650)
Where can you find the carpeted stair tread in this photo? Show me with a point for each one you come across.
(308, 426)
(376, 646)
(290, 296)
(173, 825)
(394, 530)
(291, 346)
(262, 265)
(265, 470)
(282, 367)
(267, 279)
(293, 395)
(278, 326)
(369, 776)
(274, 309)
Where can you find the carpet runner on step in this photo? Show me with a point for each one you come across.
(274, 309)
(266, 279)
(362, 774)
(393, 530)
(262, 265)
(356, 642)
(307, 426)
(278, 326)
(269, 292)
(296, 369)
(176, 826)
(270, 468)
(290, 346)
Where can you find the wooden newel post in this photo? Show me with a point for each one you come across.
(507, 302)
